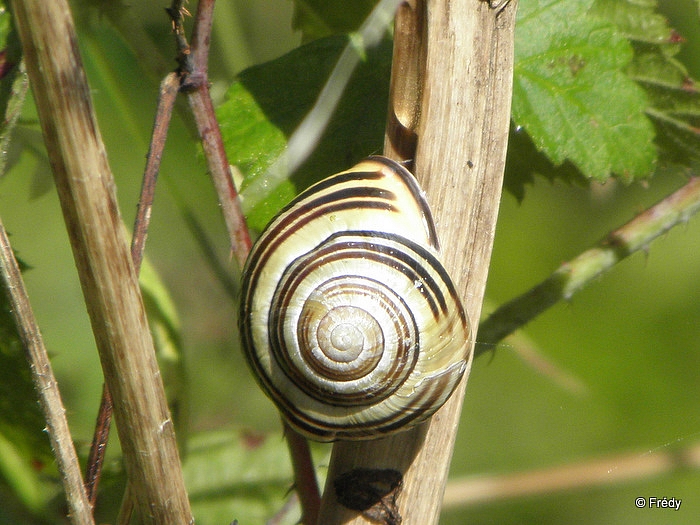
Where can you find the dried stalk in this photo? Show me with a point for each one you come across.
(630, 466)
(87, 193)
(79, 508)
(168, 92)
(457, 103)
(196, 84)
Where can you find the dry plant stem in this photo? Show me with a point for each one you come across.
(461, 135)
(169, 89)
(194, 63)
(408, 63)
(87, 193)
(98, 448)
(79, 508)
(197, 87)
(600, 471)
(168, 92)
(304, 476)
(572, 276)
(208, 127)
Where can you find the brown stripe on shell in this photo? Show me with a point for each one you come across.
(272, 239)
(372, 248)
(416, 192)
(390, 381)
(425, 404)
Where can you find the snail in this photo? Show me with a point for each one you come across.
(348, 319)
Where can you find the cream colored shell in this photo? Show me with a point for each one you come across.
(348, 319)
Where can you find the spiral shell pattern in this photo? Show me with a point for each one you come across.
(348, 319)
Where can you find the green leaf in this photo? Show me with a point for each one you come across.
(674, 108)
(674, 98)
(267, 102)
(582, 104)
(636, 19)
(318, 18)
(571, 95)
(235, 475)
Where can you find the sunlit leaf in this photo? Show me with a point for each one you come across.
(267, 102)
(571, 94)
(234, 475)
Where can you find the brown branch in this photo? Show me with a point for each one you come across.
(205, 118)
(87, 193)
(196, 85)
(194, 81)
(79, 507)
(98, 447)
(192, 78)
(631, 466)
(304, 476)
(194, 64)
(462, 80)
(166, 102)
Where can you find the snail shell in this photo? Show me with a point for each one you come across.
(348, 319)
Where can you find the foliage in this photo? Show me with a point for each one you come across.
(600, 94)
(586, 91)
(258, 116)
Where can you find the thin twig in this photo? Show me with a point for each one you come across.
(166, 102)
(304, 476)
(79, 508)
(196, 85)
(631, 466)
(98, 448)
(205, 118)
(572, 276)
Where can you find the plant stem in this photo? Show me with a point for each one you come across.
(169, 89)
(572, 276)
(168, 93)
(304, 476)
(79, 508)
(456, 100)
(86, 190)
(631, 466)
(196, 84)
(98, 447)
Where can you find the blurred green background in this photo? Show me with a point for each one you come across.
(631, 340)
